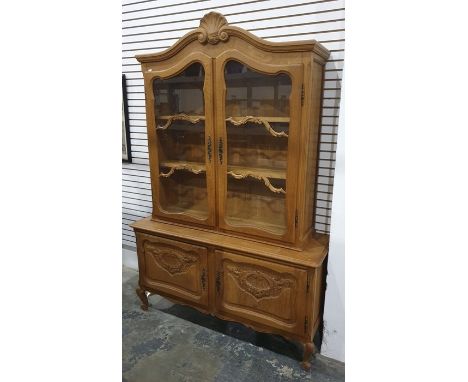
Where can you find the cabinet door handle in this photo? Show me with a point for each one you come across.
(220, 150)
(203, 278)
(209, 148)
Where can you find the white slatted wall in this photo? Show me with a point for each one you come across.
(150, 26)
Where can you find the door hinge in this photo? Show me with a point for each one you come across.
(302, 95)
(218, 282)
(308, 283)
(296, 219)
(203, 279)
(306, 324)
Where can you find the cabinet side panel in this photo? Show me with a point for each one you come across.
(312, 154)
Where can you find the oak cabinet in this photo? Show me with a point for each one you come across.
(233, 123)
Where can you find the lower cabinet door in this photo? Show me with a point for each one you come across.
(174, 268)
(266, 293)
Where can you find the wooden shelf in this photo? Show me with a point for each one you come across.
(268, 119)
(195, 211)
(178, 117)
(252, 79)
(195, 167)
(191, 116)
(261, 174)
(265, 121)
(266, 172)
(248, 221)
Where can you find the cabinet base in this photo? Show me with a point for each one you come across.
(264, 287)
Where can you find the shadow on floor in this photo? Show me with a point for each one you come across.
(269, 341)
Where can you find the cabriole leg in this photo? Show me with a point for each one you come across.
(309, 349)
(143, 297)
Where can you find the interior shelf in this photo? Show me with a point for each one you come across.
(276, 229)
(198, 211)
(264, 172)
(264, 175)
(265, 118)
(265, 121)
(195, 167)
(189, 116)
(193, 119)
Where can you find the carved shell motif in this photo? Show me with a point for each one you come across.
(258, 281)
(172, 259)
(212, 27)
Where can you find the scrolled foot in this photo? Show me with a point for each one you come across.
(143, 297)
(309, 349)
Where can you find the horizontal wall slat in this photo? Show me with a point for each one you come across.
(256, 18)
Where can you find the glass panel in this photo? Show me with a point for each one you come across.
(180, 125)
(257, 126)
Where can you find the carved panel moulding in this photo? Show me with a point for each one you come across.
(179, 117)
(170, 258)
(212, 28)
(258, 281)
(257, 120)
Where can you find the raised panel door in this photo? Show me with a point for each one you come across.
(174, 268)
(271, 294)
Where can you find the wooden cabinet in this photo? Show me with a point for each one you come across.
(233, 123)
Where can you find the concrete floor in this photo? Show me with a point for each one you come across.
(172, 343)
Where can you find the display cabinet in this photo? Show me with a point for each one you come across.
(233, 123)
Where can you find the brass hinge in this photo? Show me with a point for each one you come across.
(308, 283)
(296, 219)
(203, 278)
(306, 323)
(218, 282)
(302, 95)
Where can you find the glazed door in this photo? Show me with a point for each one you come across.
(263, 292)
(258, 111)
(173, 268)
(179, 112)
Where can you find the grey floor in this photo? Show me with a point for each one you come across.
(172, 343)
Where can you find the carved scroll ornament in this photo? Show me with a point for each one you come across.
(172, 259)
(259, 177)
(211, 28)
(258, 281)
(180, 117)
(182, 166)
(257, 120)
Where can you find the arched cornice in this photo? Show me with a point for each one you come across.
(215, 29)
